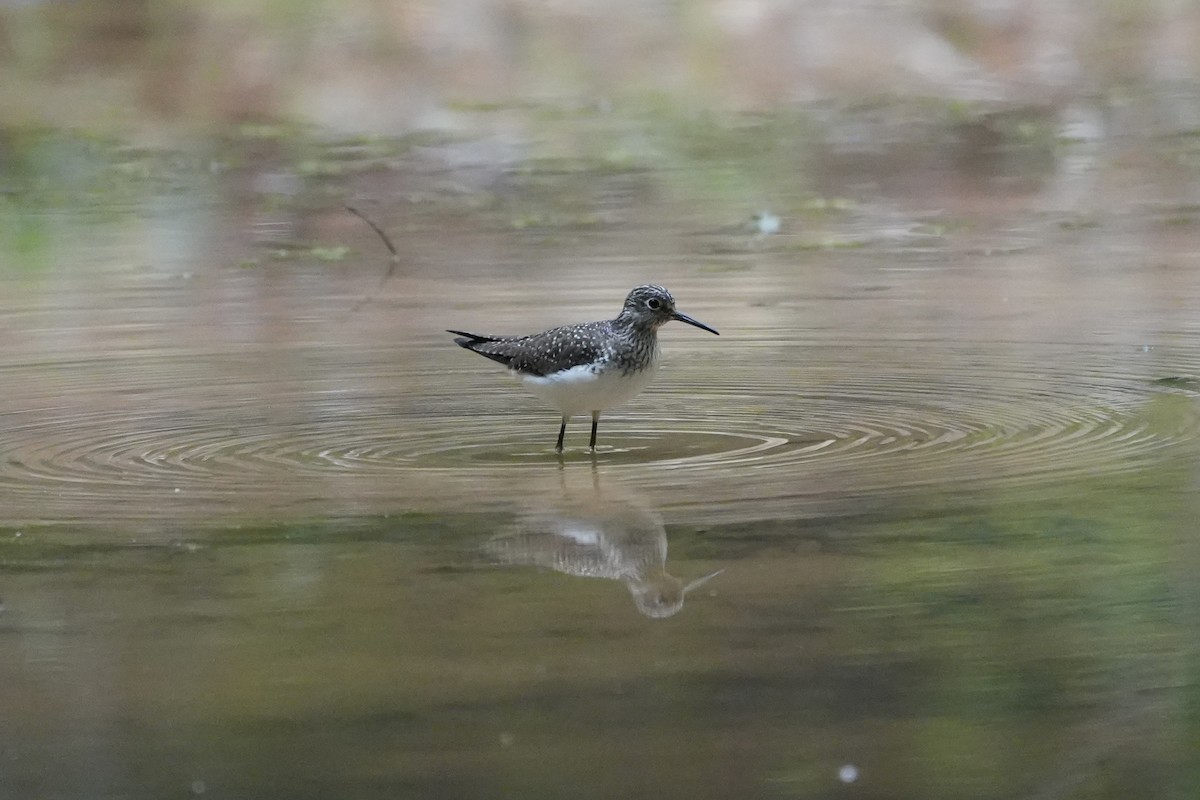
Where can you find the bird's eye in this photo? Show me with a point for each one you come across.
(654, 303)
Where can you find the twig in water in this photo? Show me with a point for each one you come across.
(387, 243)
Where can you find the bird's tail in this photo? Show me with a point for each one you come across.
(468, 339)
(477, 344)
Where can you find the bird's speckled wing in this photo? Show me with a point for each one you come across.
(542, 353)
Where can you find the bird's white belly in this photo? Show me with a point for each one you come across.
(584, 389)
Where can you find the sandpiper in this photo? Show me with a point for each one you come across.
(593, 366)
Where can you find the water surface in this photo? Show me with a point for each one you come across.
(259, 537)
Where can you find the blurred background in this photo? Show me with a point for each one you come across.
(919, 524)
(145, 69)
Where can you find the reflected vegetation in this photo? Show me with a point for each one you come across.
(1018, 648)
(598, 532)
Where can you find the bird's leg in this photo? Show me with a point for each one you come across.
(595, 423)
(562, 431)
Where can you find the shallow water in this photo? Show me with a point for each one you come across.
(260, 538)
(149, 398)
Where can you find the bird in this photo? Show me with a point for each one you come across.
(592, 366)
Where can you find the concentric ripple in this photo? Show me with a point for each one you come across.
(962, 416)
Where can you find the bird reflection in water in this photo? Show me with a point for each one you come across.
(599, 532)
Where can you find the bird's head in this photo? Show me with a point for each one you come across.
(652, 307)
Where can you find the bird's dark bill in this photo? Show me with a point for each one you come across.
(690, 321)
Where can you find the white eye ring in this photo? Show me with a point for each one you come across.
(654, 303)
